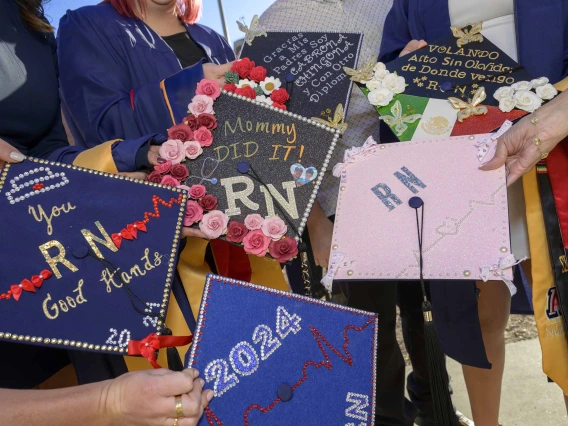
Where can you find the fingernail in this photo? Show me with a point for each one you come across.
(17, 156)
(195, 374)
(209, 395)
(202, 382)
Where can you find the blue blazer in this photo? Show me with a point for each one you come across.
(119, 79)
(542, 33)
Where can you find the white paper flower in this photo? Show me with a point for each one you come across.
(522, 85)
(379, 66)
(504, 92)
(394, 83)
(507, 103)
(537, 82)
(380, 97)
(546, 91)
(381, 74)
(264, 99)
(245, 83)
(527, 100)
(373, 84)
(269, 84)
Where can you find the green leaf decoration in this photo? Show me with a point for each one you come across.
(231, 77)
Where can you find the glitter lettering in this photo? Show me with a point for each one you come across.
(52, 261)
(409, 180)
(384, 193)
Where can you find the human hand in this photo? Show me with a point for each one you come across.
(135, 175)
(9, 154)
(153, 154)
(192, 232)
(516, 148)
(321, 233)
(147, 398)
(216, 72)
(412, 46)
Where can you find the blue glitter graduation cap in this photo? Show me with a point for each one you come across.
(269, 356)
(87, 257)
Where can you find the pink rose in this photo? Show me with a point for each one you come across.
(253, 221)
(284, 249)
(180, 172)
(164, 167)
(200, 104)
(208, 202)
(203, 136)
(274, 227)
(181, 132)
(197, 191)
(191, 121)
(193, 213)
(169, 180)
(192, 149)
(256, 243)
(209, 88)
(173, 151)
(214, 224)
(236, 232)
(155, 177)
(207, 120)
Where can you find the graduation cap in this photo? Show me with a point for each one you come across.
(88, 257)
(310, 65)
(447, 88)
(267, 354)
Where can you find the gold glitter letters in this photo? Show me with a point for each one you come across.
(92, 239)
(55, 212)
(54, 260)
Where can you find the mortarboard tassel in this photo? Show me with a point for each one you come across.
(439, 382)
(172, 354)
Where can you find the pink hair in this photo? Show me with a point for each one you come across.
(187, 10)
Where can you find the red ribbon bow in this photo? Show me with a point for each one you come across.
(37, 280)
(117, 238)
(148, 346)
(24, 285)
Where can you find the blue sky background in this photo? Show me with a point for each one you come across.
(234, 10)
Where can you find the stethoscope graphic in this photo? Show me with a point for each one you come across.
(206, 175)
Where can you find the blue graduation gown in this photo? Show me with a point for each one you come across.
(119, 79)
(542, 44)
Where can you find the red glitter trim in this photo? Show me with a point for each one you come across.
(478, 124)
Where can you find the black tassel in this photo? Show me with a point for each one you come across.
(172, 354)
(439, 381)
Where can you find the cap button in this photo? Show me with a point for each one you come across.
(290, 78)
(446, 86)
(80, 252)
(243, 167)
(285, 392)
(415, 202)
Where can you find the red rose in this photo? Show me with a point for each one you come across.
(208, 202)
(180, 172)
(180, 132)
(284, 249)
(164, 167)
(236, 232)
(230, 87)
(257, 74)
(280, 96)
(247, 92)
(207, 120)
(279, 106)
(169, 181)
(155, 177)
(243, 67)
(191, 121)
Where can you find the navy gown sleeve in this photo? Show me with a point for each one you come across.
(396, 33)
(96, 87)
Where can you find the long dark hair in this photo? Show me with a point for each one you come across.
(31, 12)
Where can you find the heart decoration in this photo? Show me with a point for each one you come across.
(303, 175)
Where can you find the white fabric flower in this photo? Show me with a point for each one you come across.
(381, 74)
(269, 84)
(527, 100)
(504, 92)
(394, 83)
(373, 84)
(245, 82)
(537, 82)
(522, 85)
(380, 97)
(264, 99)
(546, 91)
(379, 66)
(507, 103)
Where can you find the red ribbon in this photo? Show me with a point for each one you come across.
(148, 346)
(37, 280)
(117, 238)
(141, 226)
(557, 165)
(24, 285)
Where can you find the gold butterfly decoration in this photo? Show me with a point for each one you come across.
(465, 36)
(336, 123)
(363, 74)
(255, 30)
(399, 121)
(466, 109)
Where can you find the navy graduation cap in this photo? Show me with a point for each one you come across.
(268, 355)
(88, 257)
